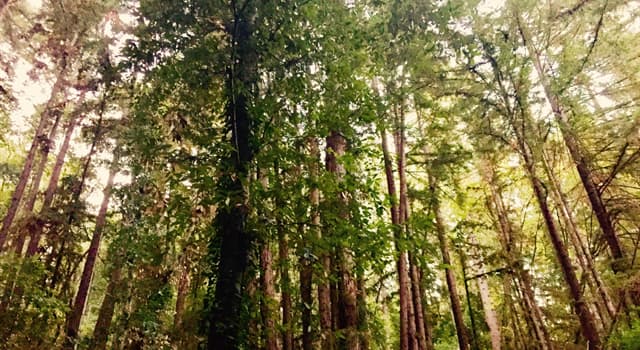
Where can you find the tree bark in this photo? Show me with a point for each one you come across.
(34, 241)
(582, 251)
(324, 289)
(403, 275)
(45, 147)
(40, 131)
(184, 282)
(456, 307)
(348, 322)
(514, 260)
(285, 287)
(577, 154)
(235, 240)
(105, 315)
(267, 306)
(73, 320)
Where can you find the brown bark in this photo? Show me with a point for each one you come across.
(105, 315)
(490, 315)
(514, 260)
(267, 308)
(285, 294)
(456, 307)
(587, 323)
(348, 320)
(184, 282)
(73, 320)
(424, 338)
(34, 241)
(40, 131)
(324, 290)
(576, 152)
(403, 275)
(306, 296)
(45, 146)
(582, 252)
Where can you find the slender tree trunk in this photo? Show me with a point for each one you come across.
(424, 338)
(285, 287)
(499, 211)
(587, 323)
(577, 154)
(403, 275)
(105, 315)
(490, 314)
(324, 290)
(235, 241)
(73, 320)
(456, 308)
(183, 288)
(428, 331)
(32, 196)
(267, 306)
(415, 340)
(336, 148)
(582, 251)
(32, 248)
(16, 197)
(306, 296)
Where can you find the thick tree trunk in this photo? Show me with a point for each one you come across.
(39, 136)
(577, 154)
(267, 306)
(73, 320)
(235, 240)
(456, 307)
(336, 148)
(105, 315)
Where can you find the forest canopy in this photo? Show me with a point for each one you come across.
(320, 174)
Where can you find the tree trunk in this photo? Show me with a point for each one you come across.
(235, 241)
(456, 308)
(306, 297)
(45, 147)
(587, 323)
(324, 289)
(490, 315)
(403, 275)
(577, 154)
(285, 287)
(336, 148)
(499, 211)
(582, 251)
(18, 193)
(267, 306)
(424, 338)
(105, 315)
(32, 248)
(183, 288)
(73, 320)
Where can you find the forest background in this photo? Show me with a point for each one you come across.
(319, 174)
